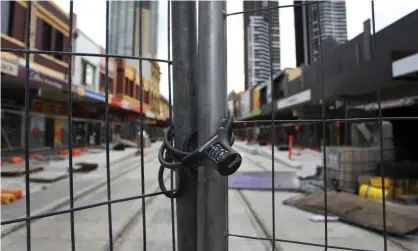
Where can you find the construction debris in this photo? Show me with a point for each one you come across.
(17, 170)
(401, 220)
(48, 176)
(83, 167)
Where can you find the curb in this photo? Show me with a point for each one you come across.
(62, 202)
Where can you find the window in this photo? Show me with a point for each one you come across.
(102, 82)
(59, 44)
(46, 36)
(6, 17)
(88, 74)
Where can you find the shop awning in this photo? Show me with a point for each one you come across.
(296, 99)
(389, 104)
(406, 67)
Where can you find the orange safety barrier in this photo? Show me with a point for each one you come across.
(76, 152)
(84, 149)
(16, 160)
(63, 152)
(36, 156)
(17, 193)
(7, 198)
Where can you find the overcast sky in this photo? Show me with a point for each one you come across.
(92, 21)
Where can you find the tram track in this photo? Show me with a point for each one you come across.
(392, 240)
(124, 167)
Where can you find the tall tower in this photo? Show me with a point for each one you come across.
(333, 23)
(124, 31)
(257, 44)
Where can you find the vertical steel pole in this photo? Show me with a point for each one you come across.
(212, 105)
(184, 103)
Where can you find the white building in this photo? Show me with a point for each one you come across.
(87, 69)
(260, 55)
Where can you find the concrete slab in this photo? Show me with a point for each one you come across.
(48, 199)
(48, 176)
(294, 225)
(91, 225)
(289, 222)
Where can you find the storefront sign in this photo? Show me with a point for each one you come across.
(296, 99)
(136, 108)
(44, 79)
(9, 68)
(245, 104)
(60, 130)
(116, 102)
(94, 95)
(80, 91)
(41, 106)
(255, 112)
(150, 114)
(126, 105)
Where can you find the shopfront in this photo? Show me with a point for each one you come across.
(49, 125)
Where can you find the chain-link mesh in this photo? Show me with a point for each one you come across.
(344, 158)
(105, 138)
(271, 132)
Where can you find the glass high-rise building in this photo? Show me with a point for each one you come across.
(330, 16)
(124, 32)
(257, 44)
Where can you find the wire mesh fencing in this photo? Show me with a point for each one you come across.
(336, 159)
(27, 143)
(348, 157)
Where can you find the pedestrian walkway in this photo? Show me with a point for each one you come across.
(294, 225)
(304, 164)
(47, 198)
(159, 228)
(91, 225)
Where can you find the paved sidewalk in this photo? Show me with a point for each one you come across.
(293, 224)
(159, 228)
(57, 193)
(91, 225)
(304, 164)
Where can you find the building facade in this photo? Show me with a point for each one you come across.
(257, 51)
(48, 74)
(87, 69)
(330, 16)
(49, 86)
(125, 32)
(132, 24)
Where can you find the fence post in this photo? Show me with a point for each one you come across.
(212, 105)
(184, 46)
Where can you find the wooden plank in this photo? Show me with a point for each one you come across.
(400, 219)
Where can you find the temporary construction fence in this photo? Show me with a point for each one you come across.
(200, 215)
